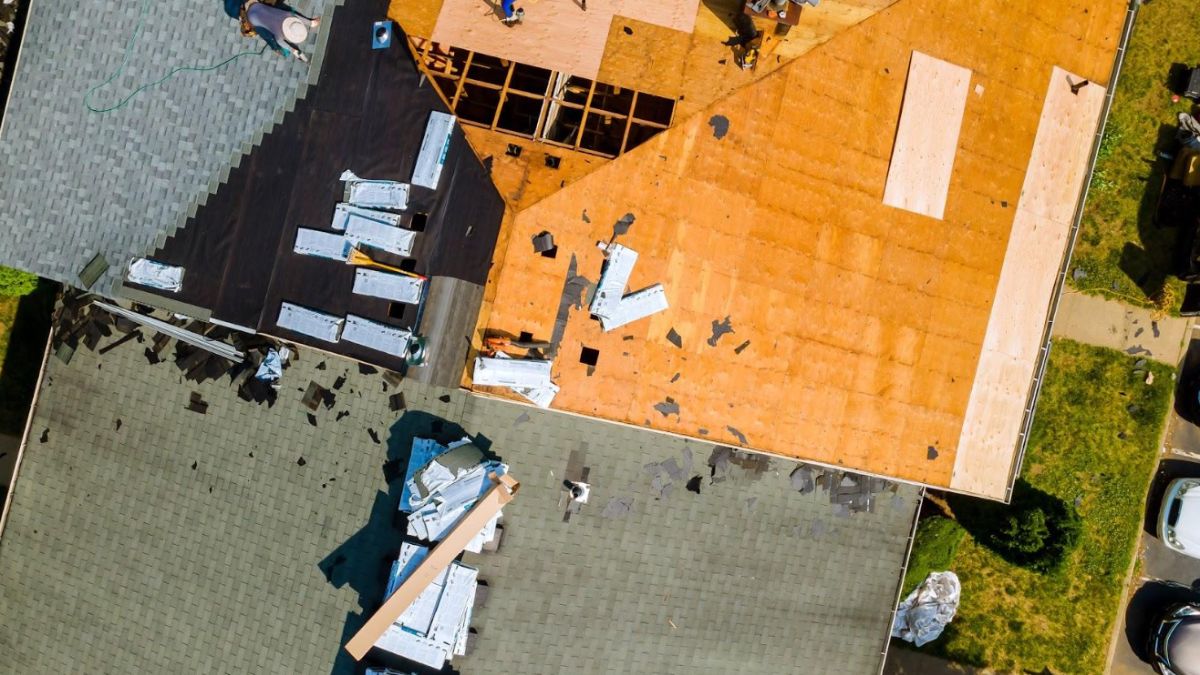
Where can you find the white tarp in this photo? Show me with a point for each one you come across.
(321, 244)
(310, 322)
(435, 625)
(610, 304)
(377, 336)
(147, 272)
(395, 287)
(346, 214)
(375, 194)
(923, 615)
(434, 148)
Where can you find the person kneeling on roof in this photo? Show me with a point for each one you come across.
(281, 27)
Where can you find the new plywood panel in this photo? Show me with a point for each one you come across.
(556, 34)
(927, 138)
(1053, 182)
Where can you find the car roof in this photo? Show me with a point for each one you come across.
(1183, 647)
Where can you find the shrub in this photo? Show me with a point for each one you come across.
(1036, 531)
(933, 549)
(15, 283)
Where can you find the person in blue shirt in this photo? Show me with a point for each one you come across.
(281, 27)
(511, 16)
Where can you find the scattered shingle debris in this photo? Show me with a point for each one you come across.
(617, 507)
(738, 435)
(1154, 328)
(340, 382)
(301, 462)
(1137, 349)
(197, 404)
(667, 407)
(730, 463)
(396, 402)
(693, 484)
(321, 366)
(521, 419)
(675, 338)
(720, 126)
(374, 436)
(741, 348)
(585, 217)
(802, 479)
(931, 453)
(342, 415)
(850, 493)
(674, 378)
(719, 328)
(622, 225)
(312, 419)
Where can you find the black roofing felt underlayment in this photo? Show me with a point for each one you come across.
(367, 114)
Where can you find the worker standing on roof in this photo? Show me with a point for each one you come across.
(511, 16)
(281, 27)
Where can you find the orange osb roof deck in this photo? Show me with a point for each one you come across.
(865, 323)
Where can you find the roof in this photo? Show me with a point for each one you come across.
(280, 530)
(861, 335)
(367, 113)
(117, 183)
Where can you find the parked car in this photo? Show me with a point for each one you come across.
(1175, 642)
(1179, 518)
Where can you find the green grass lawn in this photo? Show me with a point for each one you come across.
(1123, 253)
(1095, 438)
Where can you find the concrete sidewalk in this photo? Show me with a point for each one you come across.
(1108, 323)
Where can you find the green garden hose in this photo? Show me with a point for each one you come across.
(174, 71)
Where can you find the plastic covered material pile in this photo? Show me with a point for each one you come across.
(435, 625)
(923, 615)
(442, 485)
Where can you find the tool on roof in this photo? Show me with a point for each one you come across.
(496, 343)
(360, 259)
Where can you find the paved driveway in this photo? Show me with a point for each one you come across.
(1166, 576)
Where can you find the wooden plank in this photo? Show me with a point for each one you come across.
(439, 558)
(935, 97)
(1053, 183)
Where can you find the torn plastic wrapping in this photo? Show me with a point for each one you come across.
(441, 486)
(924, 614)
(272, 367)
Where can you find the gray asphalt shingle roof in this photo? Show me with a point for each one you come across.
(144, 537)
(76, 182)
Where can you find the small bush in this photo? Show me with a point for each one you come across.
(933, 549)
(16, 283)
(1036, 531)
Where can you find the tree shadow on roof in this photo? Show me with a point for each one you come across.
(364, 560)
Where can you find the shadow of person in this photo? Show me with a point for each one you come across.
(1146, 607)
(727, 11)
(363, 561)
